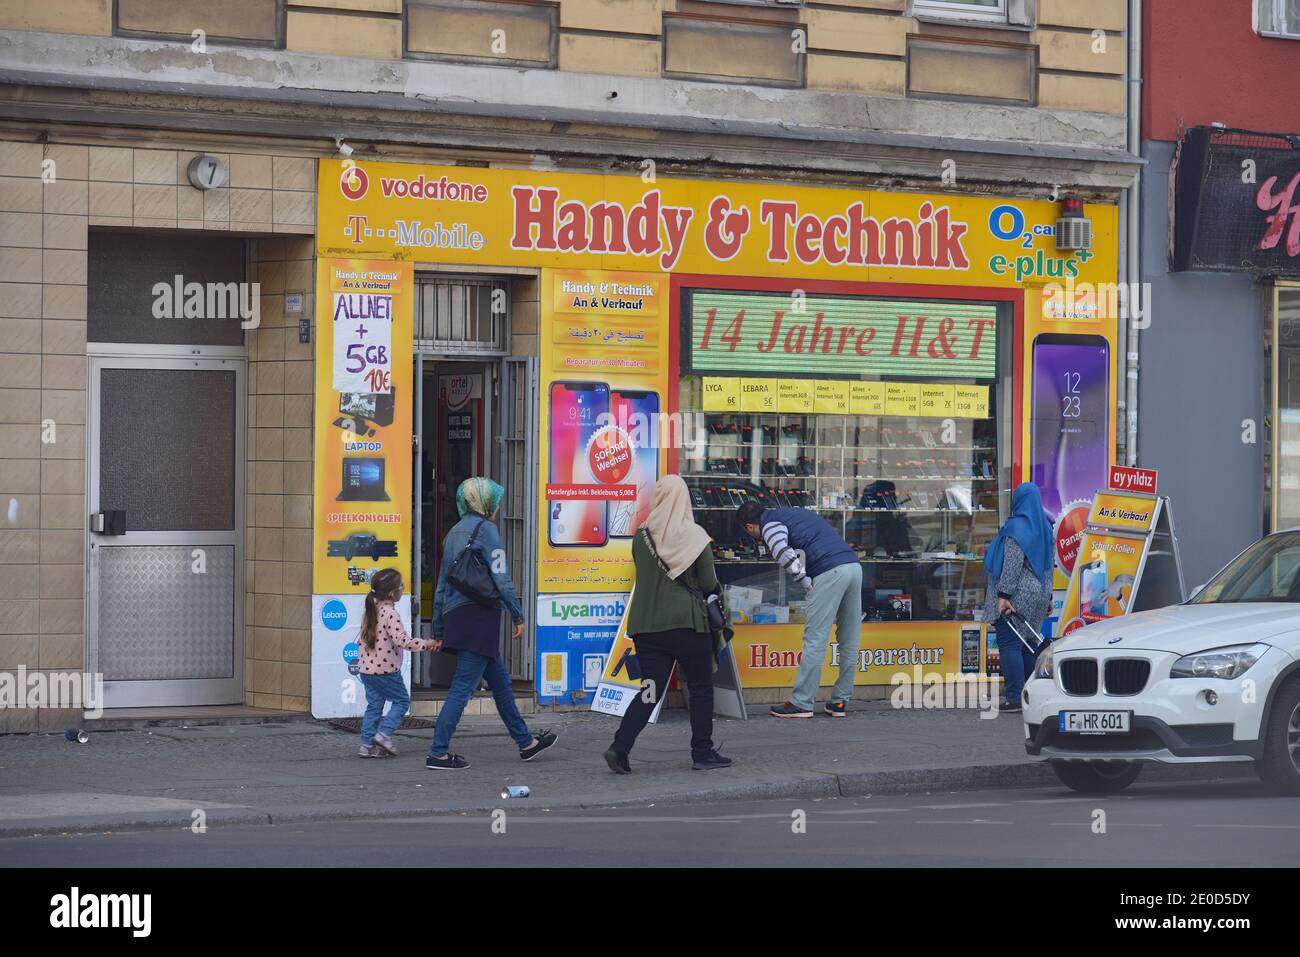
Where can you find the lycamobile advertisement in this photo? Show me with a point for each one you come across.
(574, 635)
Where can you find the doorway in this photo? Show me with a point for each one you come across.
(473, 418)
(165, 623)
(454, 424)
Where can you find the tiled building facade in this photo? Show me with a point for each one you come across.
(104, 103)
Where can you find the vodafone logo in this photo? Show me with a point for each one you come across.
(354, 182)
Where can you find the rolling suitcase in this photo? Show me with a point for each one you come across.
(1021, 629)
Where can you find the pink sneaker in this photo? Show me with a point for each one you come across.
(385, 743)
(369, 751)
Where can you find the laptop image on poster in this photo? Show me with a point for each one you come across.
(363, 480)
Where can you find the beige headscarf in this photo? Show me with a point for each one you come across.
(678, 539)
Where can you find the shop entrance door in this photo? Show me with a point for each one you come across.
(475, 418)
(454, 420)
(165, 612)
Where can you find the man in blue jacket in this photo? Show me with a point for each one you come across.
(832, 578)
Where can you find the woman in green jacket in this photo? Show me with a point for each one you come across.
(668, 624)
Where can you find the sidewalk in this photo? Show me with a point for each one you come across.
(308, 770)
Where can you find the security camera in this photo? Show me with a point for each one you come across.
(343, 148)
(1055, 194)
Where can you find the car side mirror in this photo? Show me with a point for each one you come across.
(1196, 591)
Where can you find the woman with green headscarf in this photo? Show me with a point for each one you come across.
(472, 631)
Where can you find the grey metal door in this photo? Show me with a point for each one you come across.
(518, 470)
(165, 609)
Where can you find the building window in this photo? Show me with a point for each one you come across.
(240, 21)
(1278, 18)
(462, 315)
(505, 32)
(734, 50)
(981, 70)
(986, 10)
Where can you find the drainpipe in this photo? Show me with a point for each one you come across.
(1128, 331)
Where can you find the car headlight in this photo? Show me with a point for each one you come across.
(1228, 662)
(1046, 664)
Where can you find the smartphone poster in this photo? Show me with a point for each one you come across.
(603, 435)
(1069, 418)
(1104, 574)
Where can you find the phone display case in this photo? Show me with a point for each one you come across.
(919, 499)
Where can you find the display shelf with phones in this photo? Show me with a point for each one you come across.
(918, 497)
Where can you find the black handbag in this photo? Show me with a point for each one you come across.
(470, 575)
(713, 615)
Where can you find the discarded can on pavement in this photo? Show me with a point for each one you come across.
(76, 734)
(516, 791)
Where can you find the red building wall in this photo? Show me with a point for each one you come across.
(1202, 62)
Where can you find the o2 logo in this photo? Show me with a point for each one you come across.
(351, 654)
(1007, 222)
(334, 614)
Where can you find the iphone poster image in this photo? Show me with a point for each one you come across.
(577, 411)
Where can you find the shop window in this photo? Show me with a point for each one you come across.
(1286, 437)
(517, 32)
(249, 21)
(1278, 18)
(735, 50)
(983, 70)
(900, 452)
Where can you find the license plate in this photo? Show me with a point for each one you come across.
(1095, 722)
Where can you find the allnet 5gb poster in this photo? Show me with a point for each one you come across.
(362, 520)
(604, 378)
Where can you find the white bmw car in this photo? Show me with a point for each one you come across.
(1215, 679)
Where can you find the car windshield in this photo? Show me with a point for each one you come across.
(1267, 571)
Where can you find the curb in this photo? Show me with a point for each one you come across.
(816, 785)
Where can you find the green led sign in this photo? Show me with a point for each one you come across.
(786, 335)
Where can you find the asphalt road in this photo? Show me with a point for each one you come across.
(1229, 824)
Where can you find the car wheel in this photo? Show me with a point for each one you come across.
(1280, 766)
(1097, 777)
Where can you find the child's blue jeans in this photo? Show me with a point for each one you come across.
(381, 688)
